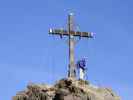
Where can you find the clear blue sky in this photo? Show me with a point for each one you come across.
(29, 54)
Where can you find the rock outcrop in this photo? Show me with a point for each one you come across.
(66, 89)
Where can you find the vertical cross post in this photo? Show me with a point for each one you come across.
(72, 69)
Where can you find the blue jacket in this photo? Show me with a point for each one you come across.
(81, 64)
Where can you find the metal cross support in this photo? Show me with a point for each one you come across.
(71, 34)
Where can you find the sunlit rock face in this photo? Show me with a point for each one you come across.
(66, 89)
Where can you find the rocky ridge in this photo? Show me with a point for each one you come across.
(66, 89)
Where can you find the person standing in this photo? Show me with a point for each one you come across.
(81, 65)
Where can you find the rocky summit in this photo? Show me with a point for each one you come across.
(66, 89)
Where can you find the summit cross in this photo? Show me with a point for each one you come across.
(71, 37)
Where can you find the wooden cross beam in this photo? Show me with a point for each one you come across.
(71, 34)
(62, 32)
